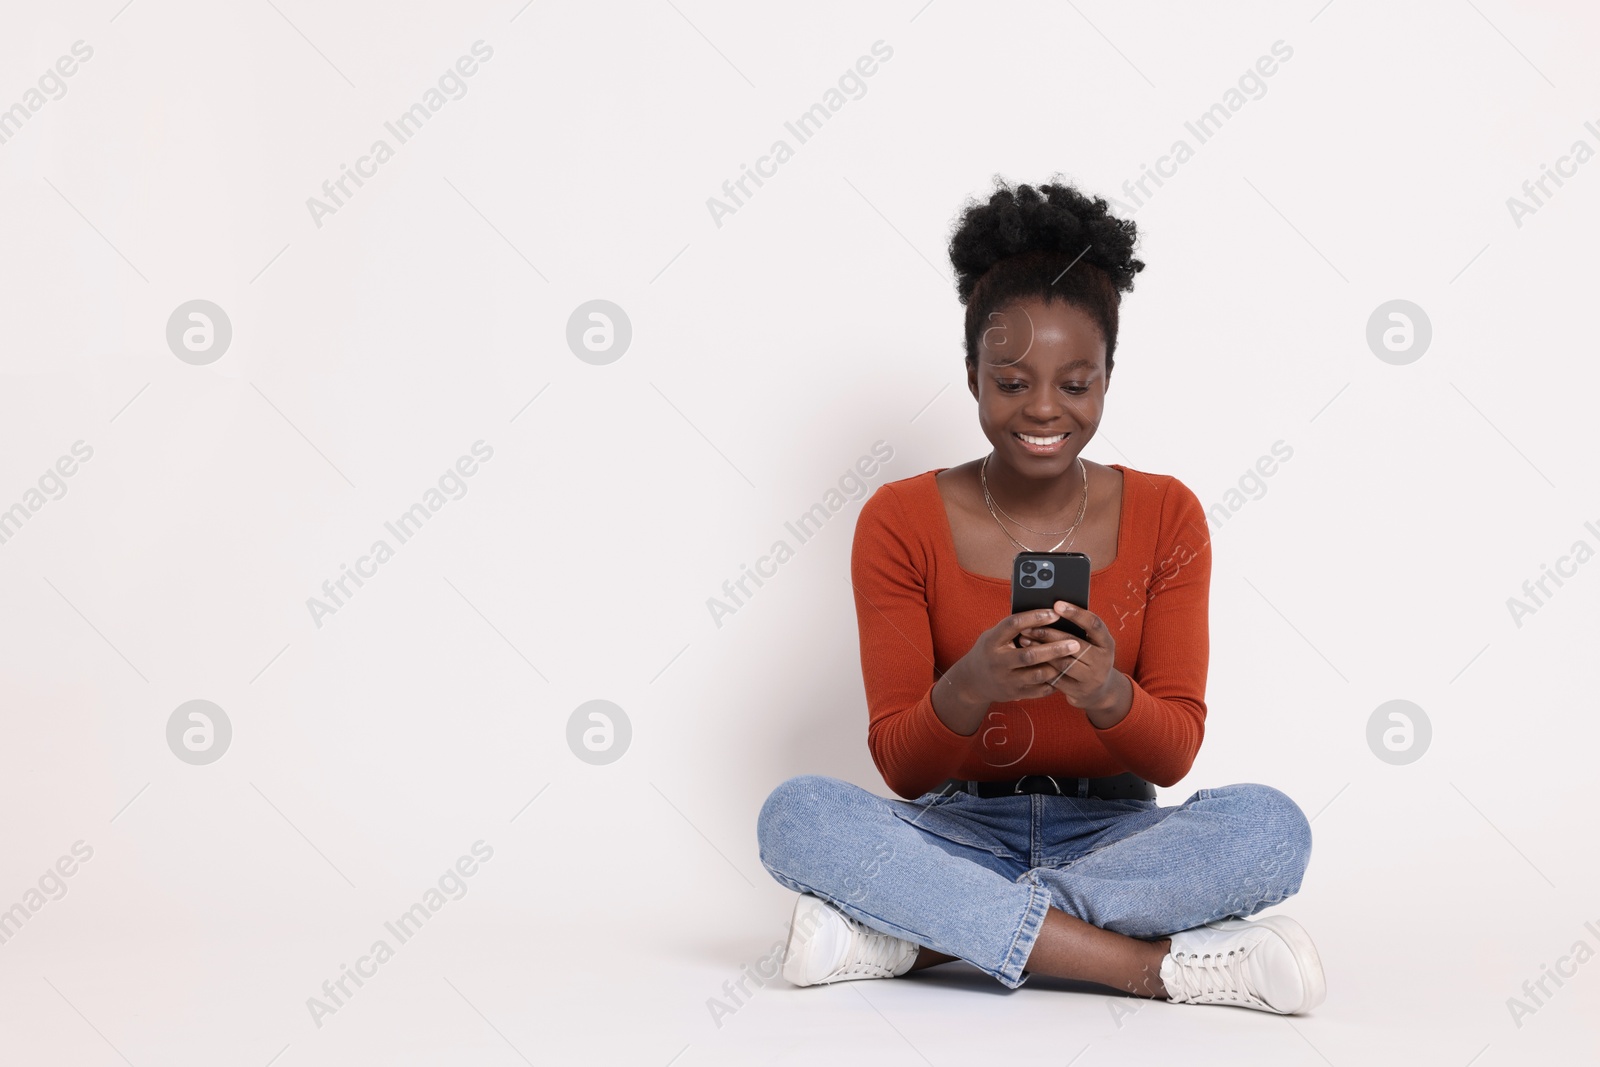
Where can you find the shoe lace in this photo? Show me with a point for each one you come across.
(871, 951)
(1212, 976)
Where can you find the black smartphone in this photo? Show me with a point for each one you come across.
(1039, 579)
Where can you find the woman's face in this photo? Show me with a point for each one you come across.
(1040, 382)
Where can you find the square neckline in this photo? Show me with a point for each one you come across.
(950, 535)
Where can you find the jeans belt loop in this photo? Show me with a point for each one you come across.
(1083, 787)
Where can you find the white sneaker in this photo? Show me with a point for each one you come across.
(1268, 964)
(826, 945)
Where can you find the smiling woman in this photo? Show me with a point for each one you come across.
(1047, 852)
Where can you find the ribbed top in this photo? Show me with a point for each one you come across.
(919, 611)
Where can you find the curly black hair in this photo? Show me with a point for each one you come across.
(1050, 242)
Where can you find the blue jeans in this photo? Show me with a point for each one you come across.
(972, 877)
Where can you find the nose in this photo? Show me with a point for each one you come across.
(1044, 406)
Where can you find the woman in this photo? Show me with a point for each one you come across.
(1030, 840)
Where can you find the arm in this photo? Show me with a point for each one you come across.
(911, 745)
(1161, 732)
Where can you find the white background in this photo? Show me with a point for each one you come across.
(768, 354)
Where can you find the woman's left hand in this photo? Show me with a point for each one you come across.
(1092, 681)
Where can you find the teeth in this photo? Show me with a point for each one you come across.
(1042, 440)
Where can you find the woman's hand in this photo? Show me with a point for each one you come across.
(1092, 681)
(996, 670)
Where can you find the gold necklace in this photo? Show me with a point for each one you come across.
(989, 502)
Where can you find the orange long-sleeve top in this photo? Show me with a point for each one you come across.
(919, 611)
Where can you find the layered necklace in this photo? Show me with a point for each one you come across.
(996, 511)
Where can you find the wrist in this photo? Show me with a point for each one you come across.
(1116, 702)
(956, 703)
(958, 682)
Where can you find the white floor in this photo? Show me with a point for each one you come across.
(562, 952)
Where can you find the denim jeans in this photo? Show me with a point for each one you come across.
(972, 877)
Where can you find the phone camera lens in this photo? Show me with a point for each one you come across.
(1027, 580)
(1028, 566)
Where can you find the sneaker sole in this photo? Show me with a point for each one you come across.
(1305, 955)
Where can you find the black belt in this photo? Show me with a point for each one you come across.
(1125, 786)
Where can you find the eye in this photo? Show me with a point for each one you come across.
(1010, 385)
(1076, 390)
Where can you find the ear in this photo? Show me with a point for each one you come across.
(972, 378)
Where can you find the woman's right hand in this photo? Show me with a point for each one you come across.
(995, 670)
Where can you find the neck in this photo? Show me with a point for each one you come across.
(1036, 498)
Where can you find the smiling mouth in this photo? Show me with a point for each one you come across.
(1042, 444)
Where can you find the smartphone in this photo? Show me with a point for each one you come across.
(1039, 579)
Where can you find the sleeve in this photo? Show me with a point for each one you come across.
(911, 746)
(1160, 736)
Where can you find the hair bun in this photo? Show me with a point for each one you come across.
(1052, 218)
